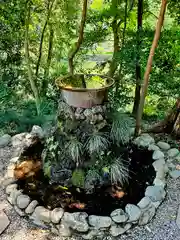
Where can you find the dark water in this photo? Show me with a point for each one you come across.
(100, 202)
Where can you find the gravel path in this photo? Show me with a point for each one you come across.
(163, 226)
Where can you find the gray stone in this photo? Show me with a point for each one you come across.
(37, 131)
(133, 211)
(158, 155)
(30, 209)
(88, 113)
(76, 221)
(175, 174)
(119, 216)
(178, 218)
(13, 196)
(19, 211)
(163, 145)
(147, 214)
(144, 203)
(159, 182)
(11, 188)
(156, 204)
(144, 140)
(64, 229)
(4, 222)
(118, 230)
(41, 214)
(155, 193)
(79, 110)
(99, 118)
(97, 109)
(173, 152)
(56, 215)
(14, 160)
(93, 234)
(99, 221)
(158, 164)
(161, 174)
(153, 147)
(23, 201)
(18, 139)
(5, 140)
(178, 158)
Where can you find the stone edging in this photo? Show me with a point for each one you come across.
(65, 224)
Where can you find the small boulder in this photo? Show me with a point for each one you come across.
(17, 140)
(37, 131)
(64, 229)
(19, 211)
(163, 145)
(155, 193)
(144, 203)
(117, 230)
(30, 209)
(11, 188)
(173, 152)
(159, 164)
(5, 140)
(147, 214)
(119, 216)
(175, 174)
(23, 201)
(88, 113)
(13, 196)
(4, 222)
(41, 214)
(56, 215)
(159, 182)
(133, 211)
(99, 221)
(153, 147)
(97, 109)
(93, 234)
(158, 155)
(144, 140)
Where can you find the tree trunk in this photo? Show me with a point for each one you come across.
(49, 57)
(77, 46)
(49, 9)
(171, 124)
(149, 66)
(138, 66)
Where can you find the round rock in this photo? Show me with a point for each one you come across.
(11, 188)
(153, 147)
(159, 164)
(5, 140)
(155, 193)
(147, 215)
(42, 214)
(30, 209)
(99, 221)
(163, 145)
(144, 203)
(23, 201)
(158, 155)
(119, 216)
(133, 211)
(173, 152)
(118, 230)
(56, 215)
(144, 140)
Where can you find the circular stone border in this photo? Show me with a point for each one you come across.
(66, 224)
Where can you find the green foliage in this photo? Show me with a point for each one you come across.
(119, 172)
(120, 131)
(96, 143)
(78, 178)
(74, 149)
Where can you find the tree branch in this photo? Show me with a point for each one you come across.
(49, 9)
(75, 49)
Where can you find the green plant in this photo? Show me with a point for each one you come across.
(78, 178)
(96, 143)
(120, 131)
(74, 148)
(119, 172)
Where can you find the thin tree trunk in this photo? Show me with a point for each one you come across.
(77, 46)
(27, 57)
(149, 66)
(138, 66)
(122, 45)
(49, 9)
(49, 57)
(171, 124)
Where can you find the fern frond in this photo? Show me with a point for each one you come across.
(119, 172)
